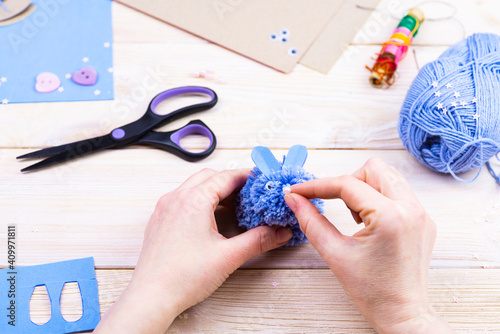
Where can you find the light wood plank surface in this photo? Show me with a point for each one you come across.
(99, 205)
(274, 108)
(307, 301)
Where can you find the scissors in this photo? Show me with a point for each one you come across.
(141, 132)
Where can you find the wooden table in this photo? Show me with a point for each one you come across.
(98, 206)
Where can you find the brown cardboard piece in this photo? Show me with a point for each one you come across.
(338, 33)
(248, 27)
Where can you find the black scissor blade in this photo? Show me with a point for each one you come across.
(85, 147)
(71, 147)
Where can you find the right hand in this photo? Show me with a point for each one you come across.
(383, 267)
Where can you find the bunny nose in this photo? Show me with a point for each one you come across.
(287, 189)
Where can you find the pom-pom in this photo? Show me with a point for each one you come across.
(450, 120)
(261, 201)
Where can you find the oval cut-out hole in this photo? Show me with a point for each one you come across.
(71, 302)
(195, 143)
(40, 312)
(180, 101)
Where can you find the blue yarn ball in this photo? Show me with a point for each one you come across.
(450, 119)
(261, 201)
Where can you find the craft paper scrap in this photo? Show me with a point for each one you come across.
(47, 55)
(338, 34)
(278, 33)
(18, 283)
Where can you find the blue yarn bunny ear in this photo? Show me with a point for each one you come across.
(296, 156)
(265, 160)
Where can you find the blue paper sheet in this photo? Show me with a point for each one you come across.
(60, 37)
(17, 285)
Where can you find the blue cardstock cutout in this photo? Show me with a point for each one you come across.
(265, 160)
(56, 38)
(296, 156)
(53, 276)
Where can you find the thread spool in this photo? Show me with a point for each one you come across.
(394, 50)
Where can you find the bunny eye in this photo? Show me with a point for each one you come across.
(269, 185)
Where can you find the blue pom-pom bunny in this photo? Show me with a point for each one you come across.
(261, 201)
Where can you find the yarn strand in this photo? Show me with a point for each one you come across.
(492, 172)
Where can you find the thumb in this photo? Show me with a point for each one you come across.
(321, 233)
(257, 241)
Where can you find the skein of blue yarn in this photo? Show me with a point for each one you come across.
(450, 119)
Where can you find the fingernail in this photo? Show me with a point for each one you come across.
(290, 201)
(286, 190)
(283, 234)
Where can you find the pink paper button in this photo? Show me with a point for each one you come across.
(47, 82)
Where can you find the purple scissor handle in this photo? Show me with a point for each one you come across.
(141, 132)
(170, 141)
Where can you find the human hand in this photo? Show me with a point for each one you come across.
(383, 267)
(184, 259)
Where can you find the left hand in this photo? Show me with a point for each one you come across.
(184, 258)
